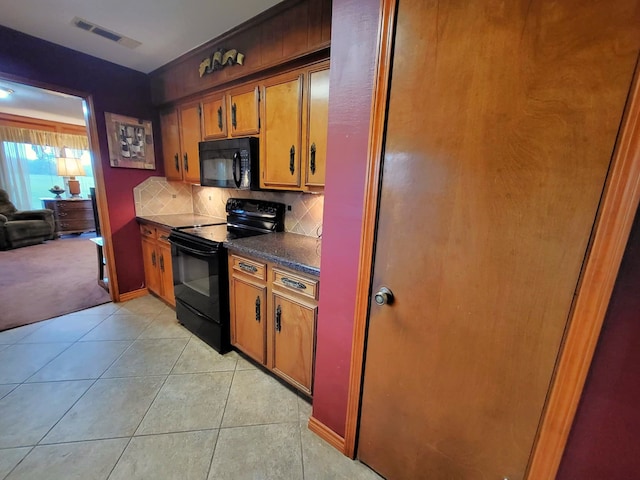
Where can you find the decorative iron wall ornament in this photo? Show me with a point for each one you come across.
(220, 59)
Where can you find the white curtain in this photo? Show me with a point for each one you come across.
(39, 137)
(14, 170)
(14, 174)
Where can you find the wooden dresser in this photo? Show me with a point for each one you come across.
(72, 216)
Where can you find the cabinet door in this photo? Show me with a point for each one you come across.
(280, 159)
(151, 263)
(166, 270)
(293, 340)
(171, 144)
(190, 135)
(214, 117)
(317, 123)
(248, 317)
(243, 112)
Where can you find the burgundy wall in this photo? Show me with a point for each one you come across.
(114, 89)
(605, 438)
(354, 36)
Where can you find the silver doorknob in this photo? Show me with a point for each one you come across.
(384, 296)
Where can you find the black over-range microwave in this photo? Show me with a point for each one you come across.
(230, 163)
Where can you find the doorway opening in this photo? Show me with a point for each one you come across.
(50, 159)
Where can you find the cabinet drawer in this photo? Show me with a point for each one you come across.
(74, 224)
(73, 215)
(295, 283)
(248, 267)
(77, 205)
(147, 231)
(162, 235)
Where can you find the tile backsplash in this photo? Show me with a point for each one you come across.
(304, 218)
(156, 196)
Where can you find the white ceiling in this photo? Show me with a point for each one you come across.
(165, 28)
(40, 103)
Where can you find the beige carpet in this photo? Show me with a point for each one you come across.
(48, 280)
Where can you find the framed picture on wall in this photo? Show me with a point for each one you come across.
(130, 142)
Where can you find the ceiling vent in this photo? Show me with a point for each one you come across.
(104, 33)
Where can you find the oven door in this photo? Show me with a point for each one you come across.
(199, 274)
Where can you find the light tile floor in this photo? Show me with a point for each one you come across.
(122, 391)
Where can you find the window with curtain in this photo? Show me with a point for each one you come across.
(28, 164)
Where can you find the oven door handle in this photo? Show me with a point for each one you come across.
(202, 253)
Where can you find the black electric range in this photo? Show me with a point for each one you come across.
(200, 266)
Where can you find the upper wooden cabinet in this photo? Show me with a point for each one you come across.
(317, 123)
(281, 137)
(171, 144)
(214, 117)
(294, 132)
(243, 111)
(231, 114)
(289, 112)
(181, 132)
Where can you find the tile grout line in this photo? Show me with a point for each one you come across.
(224, 410)
(300, 433)
(18, 464)
(81, 396)
(71, 344)
(150, 403)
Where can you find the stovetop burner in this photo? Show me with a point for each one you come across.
(245, 218)
(219, 233)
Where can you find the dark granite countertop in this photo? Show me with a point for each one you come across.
(181, 220)
(291, 250)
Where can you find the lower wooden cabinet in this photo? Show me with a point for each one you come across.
(273, 318)
(156, 254)
(248, 304)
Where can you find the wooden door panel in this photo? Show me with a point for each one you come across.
(293, 340)
(243, 113)
(190, 136)
(214, 118)
(248, 318)
(501, 125)
(282, 133)
(166, 268)
(151, 262)
(318, 121)
(171, 144)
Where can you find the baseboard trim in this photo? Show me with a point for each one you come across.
(328, 435)
(123, 297)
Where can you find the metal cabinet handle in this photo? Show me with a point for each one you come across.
(234, 122)
(186, 163)
(292, 159)
(247, 268)
(220, 118)
(278, 319)
(147, 231)
(293, 283)
(313, 159)
(62, 214)
(176, 158)
(161, 263)
(153, 258)
(258, 309)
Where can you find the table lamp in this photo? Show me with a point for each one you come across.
(71, 168)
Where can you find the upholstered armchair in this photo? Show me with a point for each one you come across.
(22, 228)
